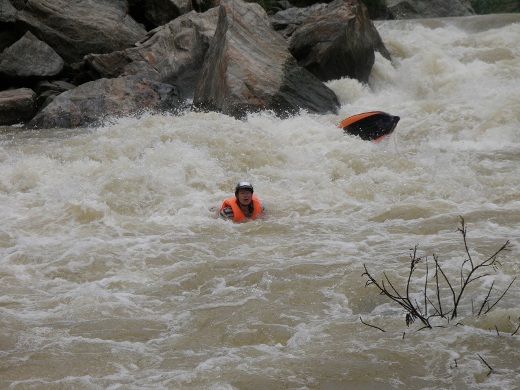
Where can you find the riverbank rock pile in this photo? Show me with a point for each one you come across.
(76, 64)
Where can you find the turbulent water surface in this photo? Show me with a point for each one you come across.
(115, 275)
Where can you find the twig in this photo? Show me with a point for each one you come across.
(486, 299)
(372, 326)
(490, 368)
(464, 231)
(437, 285)
(426, 288)
(518, 327)
(470, 271)
(508, 287)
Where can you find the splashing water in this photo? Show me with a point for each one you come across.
(115, 275)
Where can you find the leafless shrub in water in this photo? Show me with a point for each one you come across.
(434, 304)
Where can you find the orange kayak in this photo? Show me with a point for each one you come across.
(370, 126)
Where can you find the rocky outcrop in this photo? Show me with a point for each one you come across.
(171, 54)
(93, 103)
(29, 57)
(113, 66)
(238, 77)
(332, 40)
(76, 28)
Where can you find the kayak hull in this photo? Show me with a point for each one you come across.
(370, 126)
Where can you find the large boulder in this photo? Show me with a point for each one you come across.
(94, 102)
(76, 28)
(29, 57)
(332, 40)
(248, 68)
(16, 106)
(171, 54)
(241, 66)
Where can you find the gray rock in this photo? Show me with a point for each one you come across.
(30, 57)
(16, 106)
(171, 54)
(76, 28)
(95, 102)
(332, 40)
(248, 68)
(7, 12)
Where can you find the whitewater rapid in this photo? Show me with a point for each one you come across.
(116, 275)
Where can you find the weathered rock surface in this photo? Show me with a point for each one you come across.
(171, 54)
(94, 102)
(76, 28)
(16, 106)
(113, 66)
(7, 12)
(30, 57)
(248, 68)
(332, 40)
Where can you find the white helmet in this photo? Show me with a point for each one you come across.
(243, 185)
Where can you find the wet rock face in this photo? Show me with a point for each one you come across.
(76, 28)
(332, 40)
(90, 60)
(29, 57)
(239, 77)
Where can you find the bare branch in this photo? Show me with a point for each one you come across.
(486, 299)
(470, 271)
(372, 326)
(464, 232)
(437, 285)
(426, 288)
(490, 368)
(507, 289)
(518, 327)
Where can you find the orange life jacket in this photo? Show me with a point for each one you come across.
(238, 215)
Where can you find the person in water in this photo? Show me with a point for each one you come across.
(244, 206)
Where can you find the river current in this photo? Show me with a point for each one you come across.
(116, 275)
